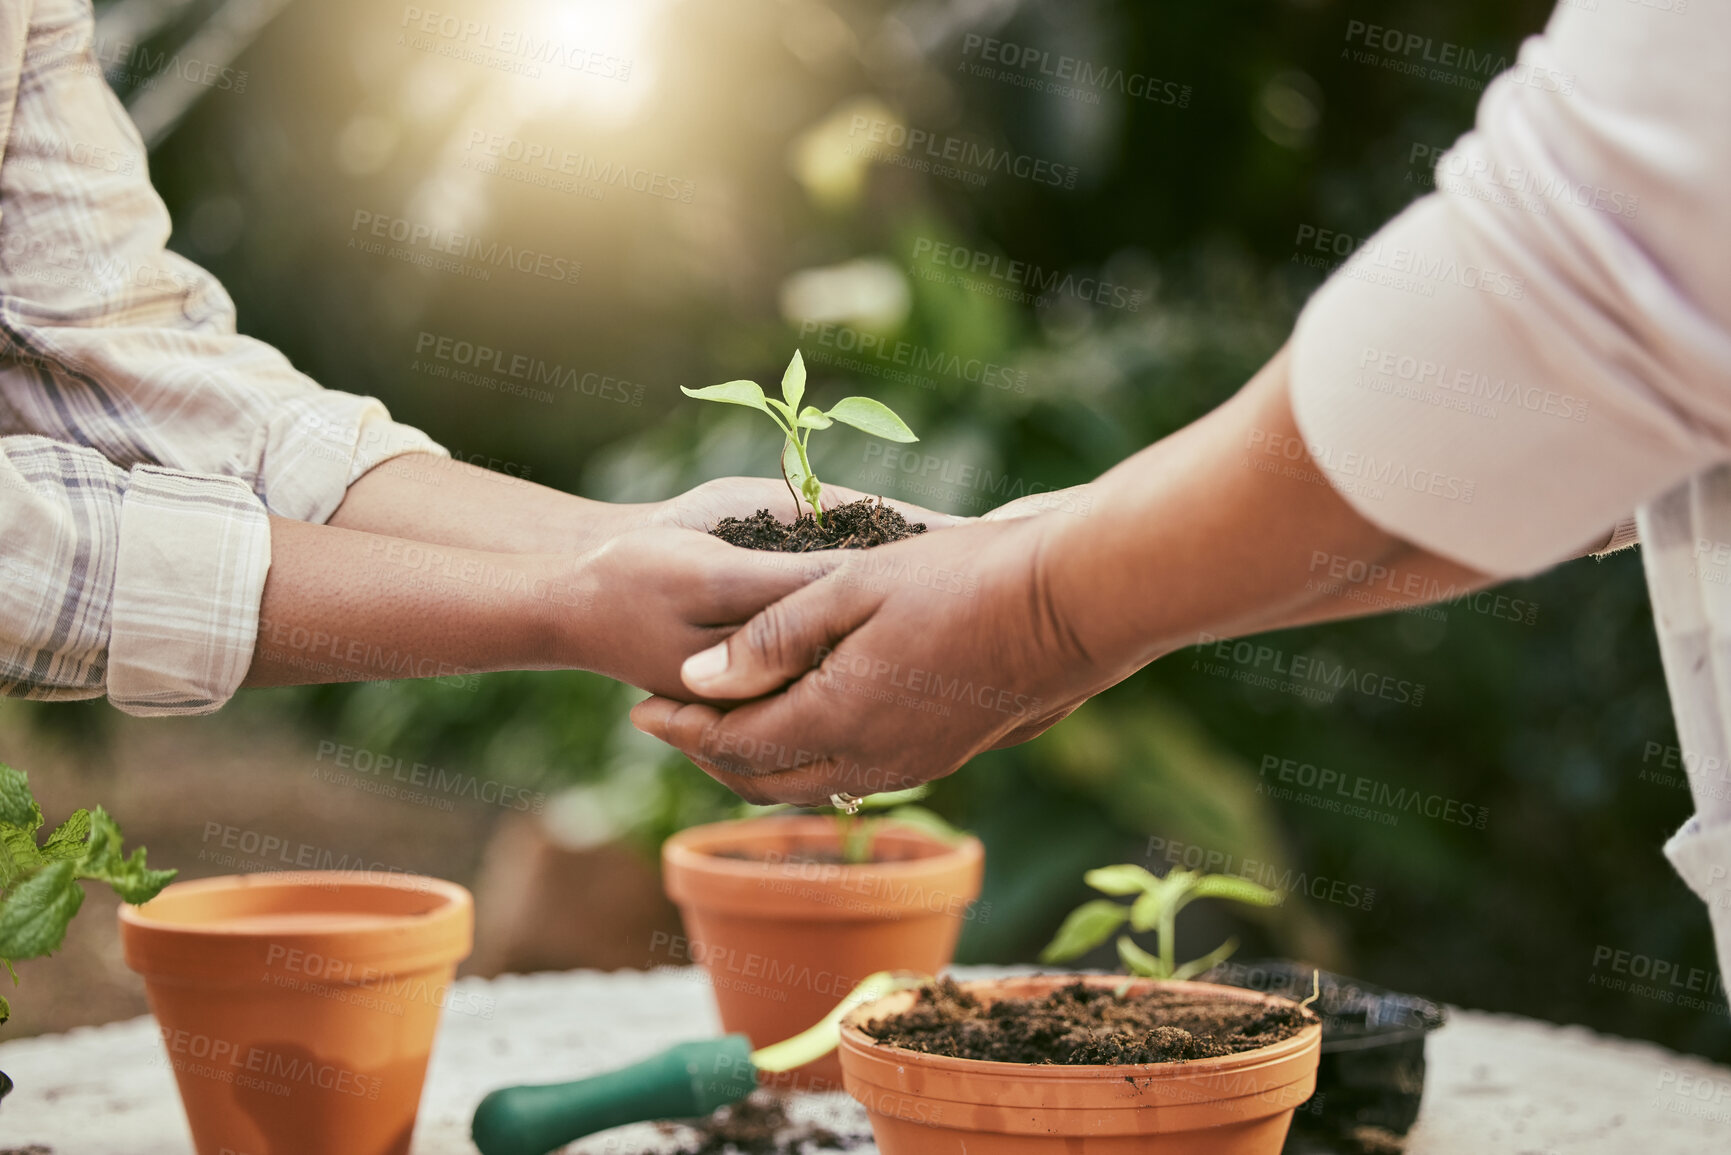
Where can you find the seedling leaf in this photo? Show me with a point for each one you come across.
(1207, 962)
(791, 467)
(1236, 889)
(1138, 961)
(925, 820)
(889, 799)
(873, 417)
(1085, 928)
(793, 381)
(747, 393)
(1121, 880)
(814, 418)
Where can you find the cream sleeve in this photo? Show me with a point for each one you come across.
(1522, 357)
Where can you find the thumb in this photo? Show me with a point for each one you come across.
(782, 642)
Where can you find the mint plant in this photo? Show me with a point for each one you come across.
(797, 424)
(39, 883)
(1155, 908)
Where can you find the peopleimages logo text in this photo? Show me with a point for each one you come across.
(939, 149)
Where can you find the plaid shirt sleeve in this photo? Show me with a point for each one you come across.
(154, 438)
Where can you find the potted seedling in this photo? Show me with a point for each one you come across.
(1371, 1077)
(40, 882)
(1102, 1063)
(787, 912)
(859, 524)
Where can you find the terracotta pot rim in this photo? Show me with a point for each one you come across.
(679, 850)
(852, 1037)
(454, 897)
(358, 946)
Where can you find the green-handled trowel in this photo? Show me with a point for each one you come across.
(682, 1082)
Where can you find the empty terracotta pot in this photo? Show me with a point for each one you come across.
(298, 1009)
(785, 938)
(934, 1105)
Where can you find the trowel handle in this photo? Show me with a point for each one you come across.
(682, 1082)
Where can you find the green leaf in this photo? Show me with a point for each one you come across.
(1121, 880)
(19, 856)
(17, 807)
(747, 393)
(1235, 889)
(924, 820)
(889, 799)
(1145, 911)
(130, 878)
(1207, 962)
(814, 418)
(791, 468)
(68, 838)
(33, 915)
(873, 417)
(1138, 961)
(5, 1010)
(793, 381)
(1085, 928)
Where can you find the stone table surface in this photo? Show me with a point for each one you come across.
(1496, 1084)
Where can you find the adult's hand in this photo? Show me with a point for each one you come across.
(906, 660)
(649, 599)
(899, 665)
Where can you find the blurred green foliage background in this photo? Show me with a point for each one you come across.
(1197, 206)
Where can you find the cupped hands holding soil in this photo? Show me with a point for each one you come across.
(859, 524)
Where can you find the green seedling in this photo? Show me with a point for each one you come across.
(857, 828)
(1154, 907)
(797, 424)
(39, 883)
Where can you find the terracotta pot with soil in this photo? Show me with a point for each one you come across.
(298, 1009)
(786, 929)
(1067, 1065)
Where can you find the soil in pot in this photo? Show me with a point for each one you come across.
(1087, 1025)
(857, 525)
(1079, 1096)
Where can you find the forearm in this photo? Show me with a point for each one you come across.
(1226, 528)
(342, 606)
(422, 497)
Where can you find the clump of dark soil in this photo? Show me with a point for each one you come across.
(1081, 1024)
(759, 1125)
(857, 525)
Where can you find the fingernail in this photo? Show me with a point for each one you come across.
(705, 667)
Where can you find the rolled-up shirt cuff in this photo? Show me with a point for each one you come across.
(1701, 853)
(188, 579)
(1447, 400)
(318, 445)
